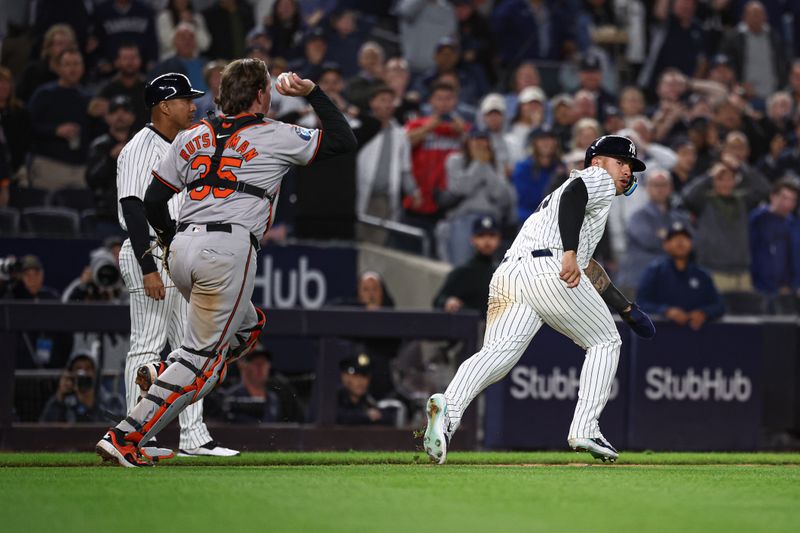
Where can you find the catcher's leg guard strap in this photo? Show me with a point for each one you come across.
(248, 342)
(177, 400)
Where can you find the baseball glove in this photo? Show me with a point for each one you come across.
(639, 322)
(163, 240)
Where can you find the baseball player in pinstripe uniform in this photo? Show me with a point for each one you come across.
(539, 281)
(228, 169)
(158, 311)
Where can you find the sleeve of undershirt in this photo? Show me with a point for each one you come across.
(571, 210)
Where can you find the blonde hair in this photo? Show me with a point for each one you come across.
(50, 36)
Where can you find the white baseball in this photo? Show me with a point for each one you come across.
(283, 76)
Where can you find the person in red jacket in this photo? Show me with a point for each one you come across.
(433, 138)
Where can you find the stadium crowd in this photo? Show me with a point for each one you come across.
(464, 109)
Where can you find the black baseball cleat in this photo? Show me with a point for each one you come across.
(598, 447)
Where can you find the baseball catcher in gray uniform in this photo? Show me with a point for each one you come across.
(230, 169)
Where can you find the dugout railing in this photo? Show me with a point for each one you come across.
(329, 327)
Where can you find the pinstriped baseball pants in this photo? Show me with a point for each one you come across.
(153, 323)
(523, 294)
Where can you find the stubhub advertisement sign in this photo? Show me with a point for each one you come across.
(684, 390)
(533, 406)
(697, 390)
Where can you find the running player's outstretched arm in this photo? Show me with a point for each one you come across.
(638, 321)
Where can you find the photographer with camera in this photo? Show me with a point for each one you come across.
(101, 281)
(78, 397)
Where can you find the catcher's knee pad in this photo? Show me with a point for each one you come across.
(205, 381)
(248, 338)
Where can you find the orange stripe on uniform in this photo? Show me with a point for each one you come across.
(319, 143)
(165, 182)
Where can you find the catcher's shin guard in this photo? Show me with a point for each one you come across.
(248, 338)
(168, 409)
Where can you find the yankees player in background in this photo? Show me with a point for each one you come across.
(228, 170)
(158, 311)
(539, 281)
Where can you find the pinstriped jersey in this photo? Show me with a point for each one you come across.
(135, 166)
(541, 229)
(259, 154)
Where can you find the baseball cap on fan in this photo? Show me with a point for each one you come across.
(360, 364)
(120, 102)
(485, 225)
(493, 102)
(532, 94)
(678, 228)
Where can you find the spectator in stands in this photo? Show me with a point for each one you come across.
(383, 166)
(677, 42)
(477, 190)
(631, 102)
(60, 127)
(446, 59)
(705, 139)
(650, 150)
(168, 20)
(432, 139)
(315, 52)
(79, 398)
(585, 105)
(101, 168)
(532, 176)
(422, 25)
(372, 61)
(476, 38)
(671, 109)
(493, 111)
(584, 132)
(731, 117)
(794, 84)
(186, 60)
(467, 285)
(355, 406)
(736, 151)
(771, 227)
(677, 289)
(646, 229)
(564, 117)
(212, 73)
(117, 22)
(285, 27)
(15, 124)
(524, 76)
(332, 83)
(261, 396)
(57, 38)
(722, 234)
(758, 52)
(682, 171)
(344, 40)
(36, 349)
(532, 29)
(529, 116)
(128, 82)
(779, 114)
(590, 78)
(406, 102)
(722, 71)
(75, 14)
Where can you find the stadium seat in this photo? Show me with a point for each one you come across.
(79, 199)
(55, 221)
(744, 303)
(22, 197)
(9, 221)
(88, 221)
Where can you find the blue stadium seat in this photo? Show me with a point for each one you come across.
(53, 221)
(88, 221)
(744, 303)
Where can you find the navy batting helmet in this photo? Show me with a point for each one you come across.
(616, 146)
(169, 87)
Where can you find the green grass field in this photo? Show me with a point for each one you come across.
(364, 492)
